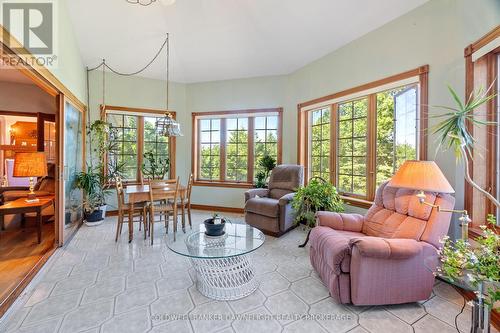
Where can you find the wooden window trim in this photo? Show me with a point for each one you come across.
(140, 112)
(196, 145)
(303, 109)
(490, 61)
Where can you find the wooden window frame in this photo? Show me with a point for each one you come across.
(487, 65)
(422, 73)
(141, 114)
(196, 144)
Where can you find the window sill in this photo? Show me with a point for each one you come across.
(357, 202)
(222, 184)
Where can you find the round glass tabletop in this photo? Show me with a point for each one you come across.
(239, 239)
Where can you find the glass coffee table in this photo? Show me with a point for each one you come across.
(224, 269)
(481, 312)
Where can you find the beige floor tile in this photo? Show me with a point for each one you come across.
(378, 320)
(248, 303)
(210, 326)
(409, 312)
(333, 316)
(135, 298)
(52, 307)
(135, 321)
(255, 323)
(287, 304)
(304, 326)
(87, 316)
(273, 283)
(310, 290)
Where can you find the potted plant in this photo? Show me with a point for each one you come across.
(479, 263)
(317, 195)
(215, 225)
(90, 183)
(103, 136)
(155, 168)
(266, 164)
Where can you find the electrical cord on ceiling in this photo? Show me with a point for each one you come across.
(103, 63)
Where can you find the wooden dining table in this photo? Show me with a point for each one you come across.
(140, 193)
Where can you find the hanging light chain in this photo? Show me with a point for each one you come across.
(168, 69)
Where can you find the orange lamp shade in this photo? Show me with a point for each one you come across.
(422, 176)
(30, 165)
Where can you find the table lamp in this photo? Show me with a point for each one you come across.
(30, 165)
(425, 176)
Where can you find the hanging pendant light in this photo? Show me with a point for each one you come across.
(149, 2)
(167, 126)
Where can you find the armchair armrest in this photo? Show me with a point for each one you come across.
(340, 221)
(386, 248)
(286, 199)
(261, 192)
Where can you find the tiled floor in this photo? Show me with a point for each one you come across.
(97, 285)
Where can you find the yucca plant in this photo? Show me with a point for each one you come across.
(453, 132)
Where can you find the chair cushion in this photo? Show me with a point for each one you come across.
(278, 193)
(333, 247)
(263, 206)
(287, 177)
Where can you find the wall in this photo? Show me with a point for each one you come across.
(20, 97)
(435, 34)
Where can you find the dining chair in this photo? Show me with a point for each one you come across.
(139, 210)
(162, 202)
(184, 205)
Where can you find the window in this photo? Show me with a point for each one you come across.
(210, 149)
(133, 134)
(351, 152)
(482, 66)
(320, 143)
(357, 139)
(228, 145)
(265, 138)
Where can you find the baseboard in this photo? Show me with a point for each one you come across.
(218, 209)
(198, 207)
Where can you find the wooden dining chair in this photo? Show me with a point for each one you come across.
(139, 210)
(163, 203)
(184, 205)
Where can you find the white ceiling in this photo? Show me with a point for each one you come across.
(225, 39)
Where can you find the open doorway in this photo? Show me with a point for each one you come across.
(28, 234)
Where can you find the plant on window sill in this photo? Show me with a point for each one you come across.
(266, 164)
(155, 168)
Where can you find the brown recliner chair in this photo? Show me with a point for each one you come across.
(270, 210)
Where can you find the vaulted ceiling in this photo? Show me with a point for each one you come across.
(224, 39)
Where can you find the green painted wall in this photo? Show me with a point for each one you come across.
(435, 34)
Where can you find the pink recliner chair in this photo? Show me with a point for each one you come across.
(379, 258)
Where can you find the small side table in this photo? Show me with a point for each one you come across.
(481, 312)
(20, 206)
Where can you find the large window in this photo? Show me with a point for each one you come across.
(482, 67)
(228, 145)
(357, 139)
(134, 134)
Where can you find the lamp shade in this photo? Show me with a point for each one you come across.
(421, 175)
(30, 165)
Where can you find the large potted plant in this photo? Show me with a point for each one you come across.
(103, 140)
(317, 195)
(478, 263)
(90, 183)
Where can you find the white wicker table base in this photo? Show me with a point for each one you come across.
(225, 279)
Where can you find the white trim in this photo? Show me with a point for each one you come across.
(388, 86)
(486, 49)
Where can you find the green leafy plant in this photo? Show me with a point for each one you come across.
(90, 182)
(155, 168)
(266, 164)
(478, 264)
(318, 195)
(454, 134)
